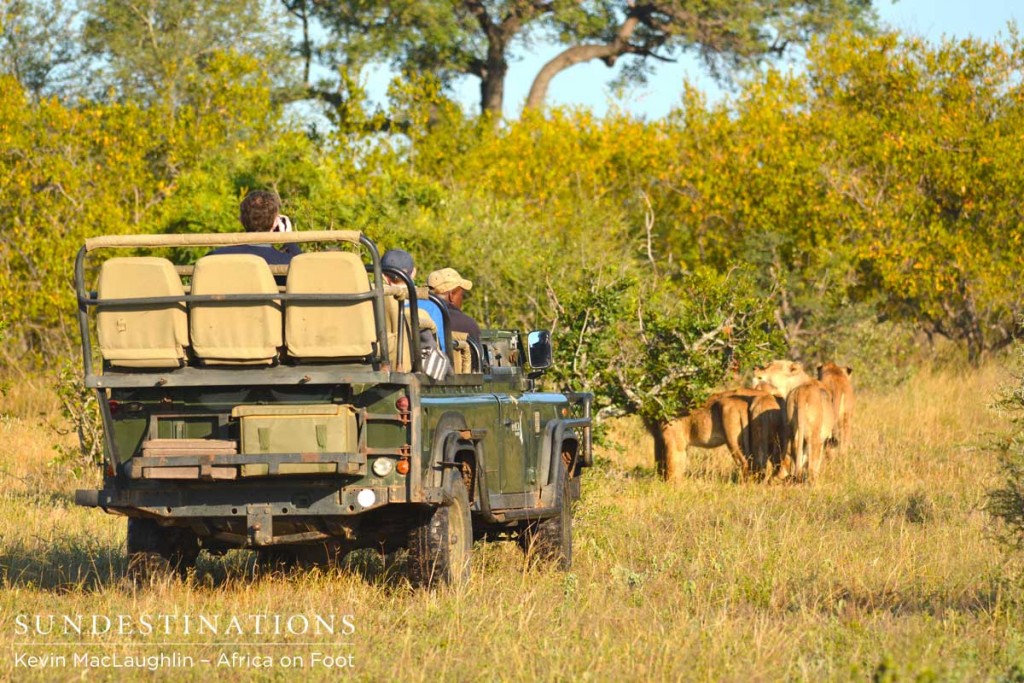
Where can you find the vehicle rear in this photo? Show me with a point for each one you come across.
(240, 412)
(286, 409)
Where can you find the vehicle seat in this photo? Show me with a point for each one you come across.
(333, 329)
(234, 332)
(400, 357)
(466, 353)
(144, 335)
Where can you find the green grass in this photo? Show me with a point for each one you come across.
(886, 567)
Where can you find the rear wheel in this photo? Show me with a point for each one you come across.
(551, 539)
(155, 549)
(440, 545)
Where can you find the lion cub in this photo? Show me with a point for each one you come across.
(767, 429)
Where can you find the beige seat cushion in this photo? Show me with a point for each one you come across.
(462, 353)
(231, 332)
(328, 330)
(151, 335)
(400, 358)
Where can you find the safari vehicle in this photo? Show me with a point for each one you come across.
(296, 419)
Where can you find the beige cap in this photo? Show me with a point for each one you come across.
(447, 279)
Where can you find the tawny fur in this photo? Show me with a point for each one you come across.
(766, 425)
(837, 381)
(809, 416)
(767, 429)
(723, 421)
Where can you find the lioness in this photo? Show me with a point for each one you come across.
(723, 420)
(837, 380)
(767, 428)
(766, 425)
(809, 417)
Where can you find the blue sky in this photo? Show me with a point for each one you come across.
(587, 84)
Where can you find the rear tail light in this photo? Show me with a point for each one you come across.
(403, 466)
(382, 466)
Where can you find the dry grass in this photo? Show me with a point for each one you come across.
(885, 567)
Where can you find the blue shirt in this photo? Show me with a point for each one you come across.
(434, 311)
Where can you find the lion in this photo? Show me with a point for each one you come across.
(723, 420)
(837, 380)
(809, 416)
(767, 429)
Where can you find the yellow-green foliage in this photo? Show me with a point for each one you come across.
(886, 174)
(882, 181)
(71, 171)
(887, 565)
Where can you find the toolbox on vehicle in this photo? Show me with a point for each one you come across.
(327, 428)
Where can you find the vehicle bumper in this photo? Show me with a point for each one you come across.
(285, 498)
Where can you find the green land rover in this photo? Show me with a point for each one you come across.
(286, 409)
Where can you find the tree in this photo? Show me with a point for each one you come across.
(659, 347)
(929, 174)
(39, 45)
(726, 35)
(478, 38)
(156, 51)
(879, 183)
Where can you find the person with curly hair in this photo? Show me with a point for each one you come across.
(260, 211)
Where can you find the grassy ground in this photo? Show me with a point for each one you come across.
(885, 568)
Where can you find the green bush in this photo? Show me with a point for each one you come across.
(1006, 502)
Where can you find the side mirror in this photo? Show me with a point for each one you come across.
(539, 344)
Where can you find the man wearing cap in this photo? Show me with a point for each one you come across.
(399, 259)
(452, 287)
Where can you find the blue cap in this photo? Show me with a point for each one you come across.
(398, 259)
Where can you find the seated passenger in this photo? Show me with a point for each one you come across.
(452, 287)
(399, 259)
(260, 211)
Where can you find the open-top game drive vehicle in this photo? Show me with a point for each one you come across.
(292, 415)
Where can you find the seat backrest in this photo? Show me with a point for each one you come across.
(328, 330)
(400, 356)
(232, 332)
(463, 353)
(144, 335)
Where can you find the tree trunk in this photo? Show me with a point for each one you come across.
(493, 68)
(576, 55)
(492, 87)
(970, 324)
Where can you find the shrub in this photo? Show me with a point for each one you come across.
(1006, 503)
